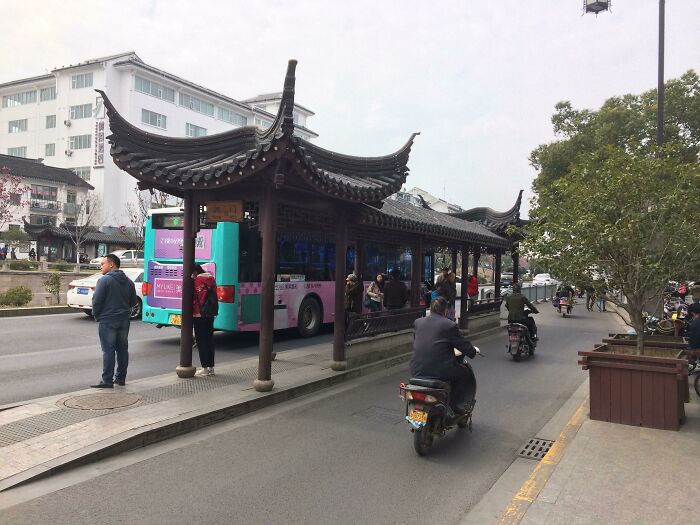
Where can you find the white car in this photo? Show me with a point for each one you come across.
(127, 258)
(543, 278)
(80, 291)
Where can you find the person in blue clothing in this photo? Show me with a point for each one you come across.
(694, 331)
(111, 306)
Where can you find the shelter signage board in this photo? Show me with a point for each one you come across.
(225, 211)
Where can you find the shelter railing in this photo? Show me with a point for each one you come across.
(375, 323)
(484, 306)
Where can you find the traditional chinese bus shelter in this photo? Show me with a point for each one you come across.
(290, 186)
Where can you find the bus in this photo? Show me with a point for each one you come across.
(232, 252)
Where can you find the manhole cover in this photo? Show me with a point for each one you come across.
(536, 449)
(102, 401)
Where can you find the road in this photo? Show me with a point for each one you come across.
(344, 455)
(52, 354)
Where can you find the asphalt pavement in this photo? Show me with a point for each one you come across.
(341, 456)
(52, 354)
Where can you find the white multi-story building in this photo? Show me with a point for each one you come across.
(60, 118)
(414, 196)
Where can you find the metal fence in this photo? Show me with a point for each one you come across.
(539, 292)
(484, 306)
(375, 323)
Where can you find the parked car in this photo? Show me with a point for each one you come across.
(506, 280)
(543, 278)
(127, 258)
(80, 291)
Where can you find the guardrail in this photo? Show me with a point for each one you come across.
(539, 292)
(375, 323)
(484, 306)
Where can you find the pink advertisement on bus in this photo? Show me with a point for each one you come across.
(168, 244)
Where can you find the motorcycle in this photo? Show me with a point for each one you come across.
(564, 305)
(428, 408)
(520, 342)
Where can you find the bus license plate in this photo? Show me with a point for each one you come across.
(82, 291)
(175, 319)
(418, 416)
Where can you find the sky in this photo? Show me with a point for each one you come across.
(478, 79)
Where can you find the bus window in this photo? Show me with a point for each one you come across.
(321, 256)
(250, 255)
(292, 257)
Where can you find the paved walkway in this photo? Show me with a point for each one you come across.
(54, 433)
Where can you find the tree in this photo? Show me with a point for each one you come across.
(624, 216)
(627, 122)
(138, 212)
(87, 213)
(11, 192)
(15, 237)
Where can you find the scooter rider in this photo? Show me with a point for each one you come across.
(516, 303)
(434, 339)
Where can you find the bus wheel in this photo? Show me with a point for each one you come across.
(309, 319)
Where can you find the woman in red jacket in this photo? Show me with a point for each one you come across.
(203, 321)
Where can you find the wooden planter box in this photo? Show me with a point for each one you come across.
(648, 390)
(669, 341)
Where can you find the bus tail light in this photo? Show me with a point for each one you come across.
(146, 288)
(226, 294)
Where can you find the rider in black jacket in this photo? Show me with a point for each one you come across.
(434, 339)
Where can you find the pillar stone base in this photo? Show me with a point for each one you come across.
(273, 356)
(339, 366)
(185, 371)
(263, 385)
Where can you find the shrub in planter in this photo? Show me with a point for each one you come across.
(52, 284)
(61, 267)
(22, 265)
(17, 296)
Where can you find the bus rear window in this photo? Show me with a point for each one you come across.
(170, 221)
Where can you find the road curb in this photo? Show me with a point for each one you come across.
(36, 310)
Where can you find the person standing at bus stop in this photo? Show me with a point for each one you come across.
(111, 307)
(205, 307)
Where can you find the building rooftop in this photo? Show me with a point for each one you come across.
(36, 169)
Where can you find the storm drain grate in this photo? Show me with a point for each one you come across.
(535, 449)
(39, 424)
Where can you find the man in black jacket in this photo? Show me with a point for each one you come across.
(395, 291)
(111, 306)
(434, 339)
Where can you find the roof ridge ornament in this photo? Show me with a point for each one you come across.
(287, 104)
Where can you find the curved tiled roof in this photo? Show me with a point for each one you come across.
(495, 221)
(60, 232)
(403, 216)
(229, 157)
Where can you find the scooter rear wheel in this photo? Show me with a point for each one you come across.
(422, 441)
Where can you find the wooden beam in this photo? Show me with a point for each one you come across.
(341, 243)
(463, 296)
(189, 233)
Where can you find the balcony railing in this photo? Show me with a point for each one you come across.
(69, 208)
(36, 204)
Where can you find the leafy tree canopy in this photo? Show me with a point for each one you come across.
(627, 122)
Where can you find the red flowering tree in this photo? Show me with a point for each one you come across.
(11, 192)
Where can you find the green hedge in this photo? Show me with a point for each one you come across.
(22, 265)
(18, 296)
(61, 267)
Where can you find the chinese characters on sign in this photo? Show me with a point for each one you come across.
(225, 211)
(99, 144)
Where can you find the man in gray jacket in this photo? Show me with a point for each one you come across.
(111, 306)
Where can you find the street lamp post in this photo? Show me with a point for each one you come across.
(597, 6)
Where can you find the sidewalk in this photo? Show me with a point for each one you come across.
(622, 474)
(52, 434)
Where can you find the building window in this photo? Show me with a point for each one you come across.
(20, 151)
(264, 124)
(71, 197)
(144, 85)
(154, 119)
(83, 172)
(81, 81)
(44, 193)
(232, 118)
(50, 121)
(196, 104)
(79, 141)
(19, 99)
(50, 150)
(15, 199)
(82, 111)
(42, 219)
(70, 220)
(48, 93)
(13, 227)
(194, 131)
(17, 126)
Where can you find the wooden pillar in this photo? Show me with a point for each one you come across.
(454, 261)
(341, 245)
(416, 271)
(475, 261)
(516, 262)
(268, 225)
(463, 296)
(497, 276)
(191, 215)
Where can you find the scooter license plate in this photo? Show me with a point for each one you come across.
(418, 416)
(515, 338)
